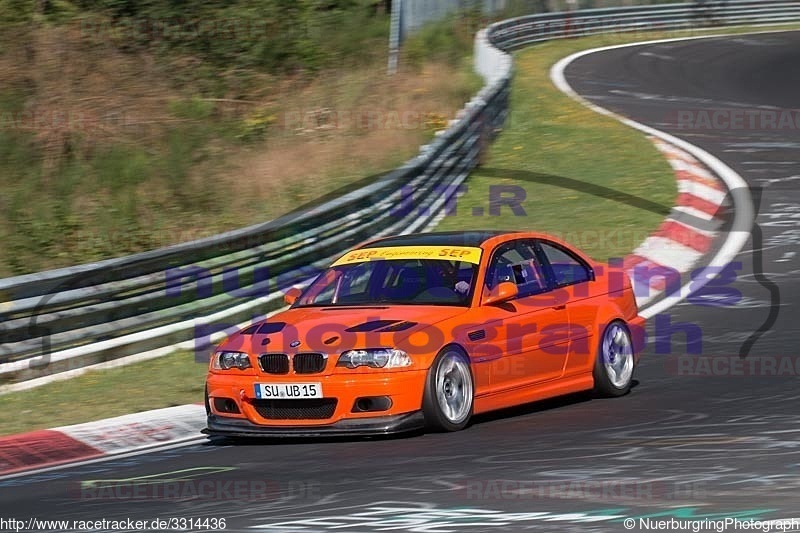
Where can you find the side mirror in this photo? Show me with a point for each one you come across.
(503, 292)
(291, 295)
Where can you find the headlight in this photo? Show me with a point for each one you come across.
(375, 358)
(228, 360)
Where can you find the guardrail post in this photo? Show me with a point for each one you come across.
(394, 36)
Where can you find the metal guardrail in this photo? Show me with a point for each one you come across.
(522, 31)
(74, 317)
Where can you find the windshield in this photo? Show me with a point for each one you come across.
(393, 281)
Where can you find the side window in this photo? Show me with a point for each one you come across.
(516, 262)
(567, 269)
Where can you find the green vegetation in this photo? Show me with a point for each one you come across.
(126, 126)
(443, 40)
(274, 35)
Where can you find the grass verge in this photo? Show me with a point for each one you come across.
(552, 148)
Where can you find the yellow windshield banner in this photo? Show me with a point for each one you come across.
(468, 254)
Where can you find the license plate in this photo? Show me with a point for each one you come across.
(288, 390)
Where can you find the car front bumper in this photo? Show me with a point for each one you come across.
(404, 390)
(379, 425)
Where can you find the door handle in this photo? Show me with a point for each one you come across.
(559, 307)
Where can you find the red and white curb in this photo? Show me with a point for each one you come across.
(693, 176)
(687, 234)
(100, 439)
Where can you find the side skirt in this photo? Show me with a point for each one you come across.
(523, 395)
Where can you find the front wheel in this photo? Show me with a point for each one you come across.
(449, 392)
(613, 369)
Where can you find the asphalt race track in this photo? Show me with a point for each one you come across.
(714, 440)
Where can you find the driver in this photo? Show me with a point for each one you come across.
(447, 274)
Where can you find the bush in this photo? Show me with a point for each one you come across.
(277, 35)
(449, 40)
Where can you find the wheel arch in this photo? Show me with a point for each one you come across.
(461, 348)
(456, 345)
(606, 314)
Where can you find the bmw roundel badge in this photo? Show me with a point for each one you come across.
(294, 344)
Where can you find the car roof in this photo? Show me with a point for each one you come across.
(438, 238)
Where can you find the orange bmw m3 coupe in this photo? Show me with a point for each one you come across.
(424, 331)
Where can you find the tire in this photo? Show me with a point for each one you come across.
(449, 392)
(613, 367)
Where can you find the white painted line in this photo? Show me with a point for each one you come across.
(696, 170)
(702, 215)
(666, 252)
(658, 56)
(704, 192)
(704, 233)
(743, 211)
(673, 153)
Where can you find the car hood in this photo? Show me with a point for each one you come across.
(334, 329)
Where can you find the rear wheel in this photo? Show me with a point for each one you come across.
(613, 369)
(449, 392)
